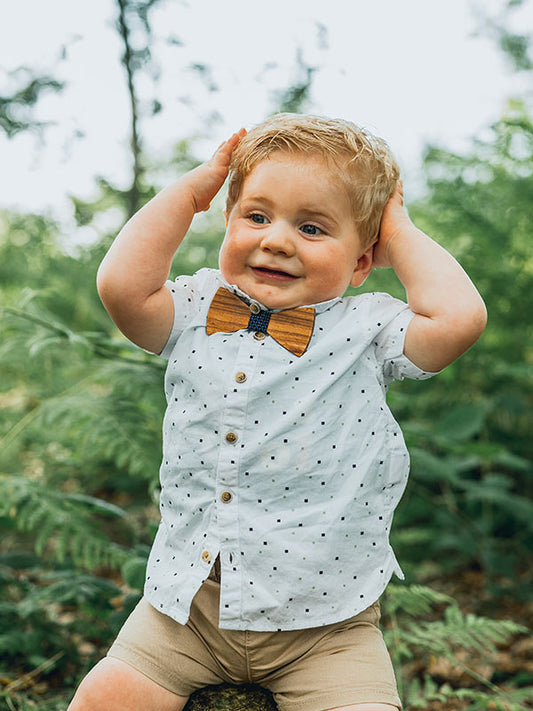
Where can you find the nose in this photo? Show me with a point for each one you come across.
(278, 240)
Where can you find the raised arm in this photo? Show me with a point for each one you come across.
(131, 278)
(450, 313)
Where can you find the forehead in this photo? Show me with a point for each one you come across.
(326, 163)
(281, 170)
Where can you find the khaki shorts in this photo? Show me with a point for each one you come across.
(312, 669)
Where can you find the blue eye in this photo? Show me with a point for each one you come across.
(312, 230)
(258, 219)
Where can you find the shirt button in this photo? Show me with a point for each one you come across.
(259, 335)
(206, 557)
(255, 308)
(240, 377)
(231, 437)
(226, 497)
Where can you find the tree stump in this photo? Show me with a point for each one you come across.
(247, 697)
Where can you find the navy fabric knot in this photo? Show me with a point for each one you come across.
(259, 321)
(291, 328)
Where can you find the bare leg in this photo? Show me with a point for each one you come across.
(112, 685)
(366, 707)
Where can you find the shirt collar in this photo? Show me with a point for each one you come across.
(319, 308)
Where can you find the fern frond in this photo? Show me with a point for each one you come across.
(453, 636)
(48, 331)
(418, 694)
(457, 631)
(415, 600)
(499, 700)
(476, 633)
(62, 525)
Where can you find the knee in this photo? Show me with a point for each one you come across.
(366, 707)
(112, 685)
(88, 697)
(79, 702)
(95, 690)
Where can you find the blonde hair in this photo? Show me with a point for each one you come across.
(362, 162)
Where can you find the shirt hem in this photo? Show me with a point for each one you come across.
(334, 619)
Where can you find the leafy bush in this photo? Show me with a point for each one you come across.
(80, 421)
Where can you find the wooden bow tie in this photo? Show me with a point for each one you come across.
(292, 329)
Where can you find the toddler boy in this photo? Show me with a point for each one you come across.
(282, 464)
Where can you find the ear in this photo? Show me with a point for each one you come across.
(225, 215)
(363, 267)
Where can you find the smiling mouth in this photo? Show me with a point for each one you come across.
(274, 274)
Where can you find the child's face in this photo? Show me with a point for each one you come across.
(291, 238)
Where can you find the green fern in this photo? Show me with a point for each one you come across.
(417, 695)
(415, 600)
(456, 630)
(409, 636)
(503, 700)
(62, 525)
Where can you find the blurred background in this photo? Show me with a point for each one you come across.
(104, 103)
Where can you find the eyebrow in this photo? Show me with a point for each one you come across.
(257, 198)
(328, 217)
(308, 211)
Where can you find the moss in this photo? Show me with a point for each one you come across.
(248, 697)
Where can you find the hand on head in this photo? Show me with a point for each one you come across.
(394, 219)
(207, 179)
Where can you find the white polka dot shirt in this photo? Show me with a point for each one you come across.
(288, 467)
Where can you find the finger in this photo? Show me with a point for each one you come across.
(225, 149)
(235, 138)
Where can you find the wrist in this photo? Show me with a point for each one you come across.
(403, 234)
(388, 247)
(187, 188)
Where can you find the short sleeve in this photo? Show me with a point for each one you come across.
(389, 343)
(189, 296)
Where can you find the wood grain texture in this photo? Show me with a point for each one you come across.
(292, 328)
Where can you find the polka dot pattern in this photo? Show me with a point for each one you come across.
(288, 468)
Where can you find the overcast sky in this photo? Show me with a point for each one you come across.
(413, 71)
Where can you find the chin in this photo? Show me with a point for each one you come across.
(271, 300)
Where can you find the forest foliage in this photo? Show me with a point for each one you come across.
(81, 412)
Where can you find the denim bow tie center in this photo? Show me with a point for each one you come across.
(259, 321)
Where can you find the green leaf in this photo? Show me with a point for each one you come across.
(21, 560)
(462, 422)
(100, 504)
(133, 571)
(427, 466)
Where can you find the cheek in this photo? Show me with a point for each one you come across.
(230, 256)
(224, 257)
(330, 265)
(332, 271)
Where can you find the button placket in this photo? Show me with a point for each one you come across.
(260, 323)
(228, 473)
